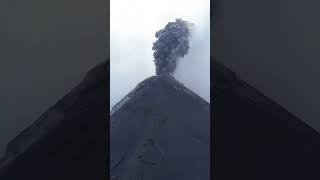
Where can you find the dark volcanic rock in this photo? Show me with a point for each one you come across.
(161, 130)
(255, 138)
(69, 141)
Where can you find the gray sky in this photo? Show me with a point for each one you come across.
(132, 28)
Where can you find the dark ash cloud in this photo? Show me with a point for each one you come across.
(172, 43)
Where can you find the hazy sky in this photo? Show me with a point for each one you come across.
(133, 24)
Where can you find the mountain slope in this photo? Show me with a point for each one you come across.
(161, 130)
(257, 139)
(69, 141)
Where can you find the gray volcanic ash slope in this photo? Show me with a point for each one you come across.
(257, 139)
(69, 141)
(161, 130)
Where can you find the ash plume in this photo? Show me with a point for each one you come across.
(172, 43)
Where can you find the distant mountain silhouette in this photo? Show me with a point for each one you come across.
(160, 130)
(69, 141)
(256, 139)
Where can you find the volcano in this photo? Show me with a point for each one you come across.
(69, 141)
(255, 138)
(160, 130)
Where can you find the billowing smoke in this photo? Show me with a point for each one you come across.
(172, 43)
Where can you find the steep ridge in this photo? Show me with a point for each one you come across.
(160, 130)
(257, 139)
(69, 141)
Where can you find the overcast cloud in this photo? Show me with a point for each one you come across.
(133, 24)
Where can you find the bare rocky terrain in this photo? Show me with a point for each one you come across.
(161, 130)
